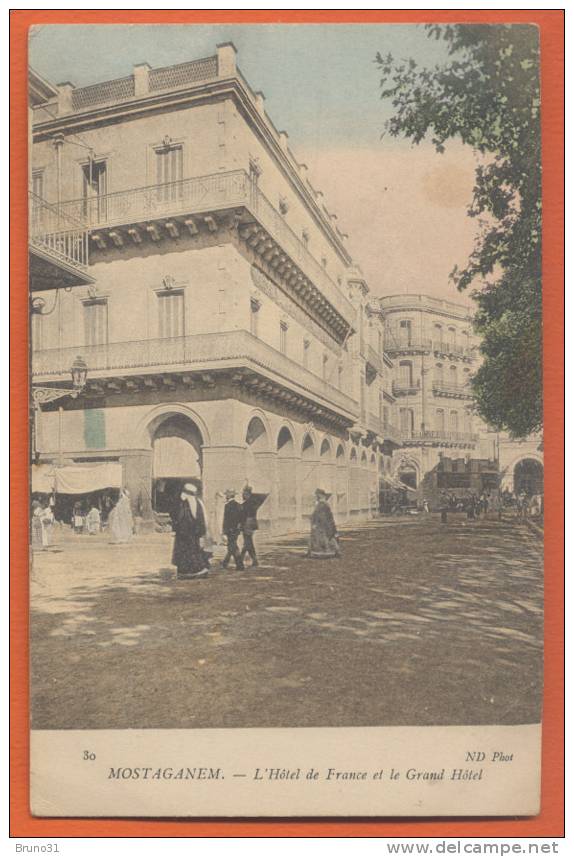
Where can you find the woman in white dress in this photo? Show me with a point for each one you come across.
(121, 522)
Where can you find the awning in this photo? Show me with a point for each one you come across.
(43, 478)
(393, 482)
(76, 479)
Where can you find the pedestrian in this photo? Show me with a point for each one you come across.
(77, 518)
(426, 508)
(37, 534)
(232, 520)
(323, 542)
(190, 526)
(47, 518)
(121, 522)
(251, 503)
(93, 521)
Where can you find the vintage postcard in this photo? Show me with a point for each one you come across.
(287, 467)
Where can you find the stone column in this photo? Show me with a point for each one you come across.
(288, 504)
(266, 464)
(224, 466)
(137, 467)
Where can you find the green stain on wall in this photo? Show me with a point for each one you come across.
(95, 428)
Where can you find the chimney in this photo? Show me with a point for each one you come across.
(141, 79)
(283, 140)
(226, 60)
(303, 171)
(260, 103)
(65, 98)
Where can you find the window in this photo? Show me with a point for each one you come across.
(407, 418)
(255, 306)
(406, 373)
(283, 328)
(170, 314)
(385, 416)
(37, 331)
(96, 322)
(438, 335)
(325, 364)
(38, 195)
(169, 172)
(453, 375)
(440, 424)
(439, 373)
(454, 421)
(306, 350)
(451, 337)
(340, 376)
(380, 341)
(405, 332)
(324, 261)
(305, 237)
(95, 188)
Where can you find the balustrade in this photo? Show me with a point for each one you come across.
(205, 350)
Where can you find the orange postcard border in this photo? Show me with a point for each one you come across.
(550, 821)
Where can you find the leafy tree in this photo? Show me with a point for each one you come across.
(487, 94)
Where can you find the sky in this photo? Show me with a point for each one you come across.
(403, 206)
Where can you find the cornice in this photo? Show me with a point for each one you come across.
(191, 96)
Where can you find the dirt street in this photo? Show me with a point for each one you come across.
(417, 623)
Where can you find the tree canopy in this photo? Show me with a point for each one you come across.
(487, 94)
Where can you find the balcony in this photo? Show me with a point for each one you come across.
(58, 246)
(438, 438)
(203, 358)
(452, 350)
(231, 200)
(452, 391)
(373, 358)
(414, 345)
(406, 388)
(384, 430)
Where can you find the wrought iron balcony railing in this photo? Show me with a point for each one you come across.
(406, 388)
(55, 233)
(373, 357)
(203, 194)
(449, 349)
(457, 391)
(199, 352)
(385, 430)
(439, 437)
(394, 344)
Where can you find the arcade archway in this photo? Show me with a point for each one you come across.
(528, 477)
(176, 458)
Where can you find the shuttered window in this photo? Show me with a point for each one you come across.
(96, 322)
(169, 172)
(171, 314)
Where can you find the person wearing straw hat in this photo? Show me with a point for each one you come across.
(190, 525)
(323, 542)
(232, 519)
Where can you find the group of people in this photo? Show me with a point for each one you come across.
(525, 505)
(119, 519)
(42, 525)
(85, 520)
(194, 544)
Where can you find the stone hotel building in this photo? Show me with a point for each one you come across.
(228, 333)
(179, 248)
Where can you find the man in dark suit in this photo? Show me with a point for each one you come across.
(232, 519)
